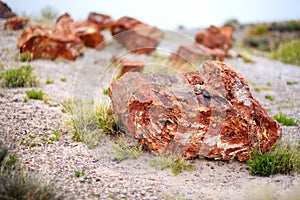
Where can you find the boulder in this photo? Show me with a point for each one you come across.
(15, 23)
(5, 11)
(127, 65)
(101, 20)
(197, 53)
(209, 112)
(50, 43)
(136, 36)
(215, 37)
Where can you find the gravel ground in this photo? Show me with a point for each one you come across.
(104, 178)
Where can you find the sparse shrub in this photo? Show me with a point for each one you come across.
(259, 29)
(25, 57)
(269, 97)
(288, 53)
(285, 120)
(19, 77)
(261, 43)
(33, 94)
(177, 164)
(49, 12)
(105, 120)
(123, 152)
(282, 158)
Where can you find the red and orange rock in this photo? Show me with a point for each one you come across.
(215, 37)
(136, 36)
(207, 113)
(101, 20)
(127, 65)
(15, 23)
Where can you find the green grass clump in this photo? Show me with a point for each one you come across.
(17, 184)
(79, 174)
(24, 57)
(49, 81)
(288, 53)
(105, 120)
(282, 158)
(123, 151)
(291, 82)
(269, 97)
(177, 164)
(19, 77)
(33, 94)
(63, 79)
(285, 120)
(83, 121)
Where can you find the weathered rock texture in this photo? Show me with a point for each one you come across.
(101, 20)
(215, 37)
(207, 113)
(136, 36)
(197, 53)
(127, 65)
(15, 23)
(5, 11)
(50, 43)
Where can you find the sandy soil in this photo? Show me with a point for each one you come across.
(133, 178)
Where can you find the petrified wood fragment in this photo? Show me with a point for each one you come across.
(15, 23)
(209, 113)
(101, 20)
(215, 37)
(136, 36)
(5, 11)
(127, 65)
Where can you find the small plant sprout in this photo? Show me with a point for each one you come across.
(105, 91)
(49, 81)
(33, 94)
(285, 120)
(269, 97)
(291, 82)
(63, 79)
(79, 174)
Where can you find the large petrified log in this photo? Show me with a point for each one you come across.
(15, 23)
(5, 11)
(215, 37)
(50, 43)
(207, 113)
(136, 36)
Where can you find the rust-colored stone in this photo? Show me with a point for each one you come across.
(207, 113)
(101, 20)
(64, 20)
(136, 36)
(5, 11)
(196, 54)
(15, 23)
(127, 65)
(50, 43)
(215, 37)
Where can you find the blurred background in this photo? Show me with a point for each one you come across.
(167, 14)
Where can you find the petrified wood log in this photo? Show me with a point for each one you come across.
(127, 65)
(215, 37)
(50, 43)
(15, 23)
(136, 36)
(197, 53)
(101, 20)
(207, 113)
(5, 11)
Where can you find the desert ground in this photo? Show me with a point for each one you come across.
(104, 178)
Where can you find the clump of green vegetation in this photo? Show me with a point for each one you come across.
(285, 120)
(259, 29)
(83, 121)
(19, 77)
(79, 174)
(105, 91)
(33, 94)
(269, 97)
(123, 152)
(177, 164)
(25, 57)
(282, 158)
(16, 184)
(49, 81)
(246, 58)
(259, 89)
(63, 79)
(291, 82)
(105, 120)
(288, 53)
